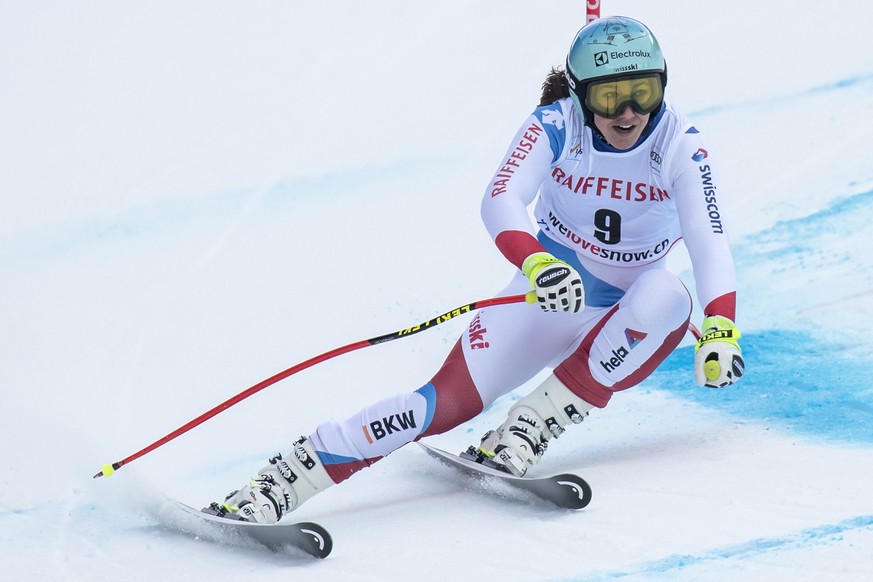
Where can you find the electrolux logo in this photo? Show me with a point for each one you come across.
(601, 58)
(629, 53)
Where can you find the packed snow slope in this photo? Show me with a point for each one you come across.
(198, 195)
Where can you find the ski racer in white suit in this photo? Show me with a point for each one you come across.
(619, 176)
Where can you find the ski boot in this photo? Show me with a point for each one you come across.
(522, 440)
(278, 488)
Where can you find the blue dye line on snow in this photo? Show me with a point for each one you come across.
(792, 380)
(801, 238)
(803, 539)
(796, 379)
(173, 215)
(778, 101)
(148, 221)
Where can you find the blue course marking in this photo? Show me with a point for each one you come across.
(799, 378)
(158, 217)
(802, 539)
(792, 379)
(849, 83)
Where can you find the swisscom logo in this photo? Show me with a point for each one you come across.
(699, 155)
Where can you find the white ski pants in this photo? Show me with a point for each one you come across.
(594, 353)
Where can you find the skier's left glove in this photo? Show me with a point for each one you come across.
(718, 359)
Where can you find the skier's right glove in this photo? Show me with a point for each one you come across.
(557, 285)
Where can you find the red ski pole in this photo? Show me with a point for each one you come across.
(109, 469)
(592, 10)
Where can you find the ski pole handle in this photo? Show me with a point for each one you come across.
(108, 469)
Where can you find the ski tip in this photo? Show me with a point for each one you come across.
(566, 490)
(319, 543)
(305, 536)
(575, 491)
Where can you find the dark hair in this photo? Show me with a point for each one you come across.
(554, 87)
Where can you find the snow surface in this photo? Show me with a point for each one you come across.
(197, 195)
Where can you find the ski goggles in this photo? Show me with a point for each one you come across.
(608, 98)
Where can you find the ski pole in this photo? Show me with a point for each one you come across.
(592, 10)
(108, 469)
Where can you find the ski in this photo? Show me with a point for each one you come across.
(566, 490)
(308, 537)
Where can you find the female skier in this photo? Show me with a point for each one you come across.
(619, 176)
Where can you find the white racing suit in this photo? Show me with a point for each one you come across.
(614, 215)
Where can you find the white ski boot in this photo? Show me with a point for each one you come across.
(520, 442)
(278, 488)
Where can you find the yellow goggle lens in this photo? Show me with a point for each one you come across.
(608, 98)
